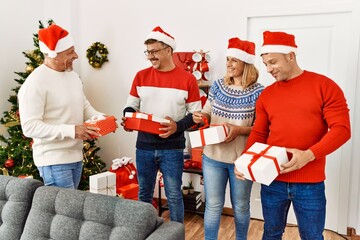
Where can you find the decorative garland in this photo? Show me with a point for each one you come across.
(97, 54)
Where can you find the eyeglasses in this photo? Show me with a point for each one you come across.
(153, 52)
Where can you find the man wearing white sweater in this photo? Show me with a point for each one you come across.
(53, 107)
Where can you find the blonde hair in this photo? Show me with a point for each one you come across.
(249, 77)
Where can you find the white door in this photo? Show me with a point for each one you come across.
(322, 40)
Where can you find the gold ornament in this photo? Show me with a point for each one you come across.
(86, 145)
(29, 68)
(91, 150)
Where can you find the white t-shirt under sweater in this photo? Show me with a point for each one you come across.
(235, 105)
(51, 103)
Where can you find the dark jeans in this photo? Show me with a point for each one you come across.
(309, 203)
(170, 163)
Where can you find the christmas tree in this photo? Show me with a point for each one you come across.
(15, 149)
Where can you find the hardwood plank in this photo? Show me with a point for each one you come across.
(194, 229)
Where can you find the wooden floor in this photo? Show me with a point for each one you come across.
(194, 229)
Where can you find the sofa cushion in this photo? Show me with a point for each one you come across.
(15, 201)
(59, 213)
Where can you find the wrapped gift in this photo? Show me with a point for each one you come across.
(125, 172)
(196, 155)
(106, 124)
(103, 183)
(207, 136)
(129, 191)
(144, 122)
(261, 162)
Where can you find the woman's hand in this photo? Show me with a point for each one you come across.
(198, 117)
(234, 131)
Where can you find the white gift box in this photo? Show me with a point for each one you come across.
(262, 163)
(146, 117)
(207, 136)
(103, 183)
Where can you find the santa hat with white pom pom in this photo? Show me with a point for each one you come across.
(54, 39)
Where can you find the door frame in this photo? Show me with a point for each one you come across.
(299, 8)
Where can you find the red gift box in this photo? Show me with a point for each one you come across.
(129, 191)
(106, 124)
(144, 122)
(196, 155)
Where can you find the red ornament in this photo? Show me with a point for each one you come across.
(194, 164)
(187, 164)
(9, 163)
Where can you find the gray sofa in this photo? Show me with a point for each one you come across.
(30, 211)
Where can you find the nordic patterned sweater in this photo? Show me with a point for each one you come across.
(306, 112)
(173, 93)
(235, 105)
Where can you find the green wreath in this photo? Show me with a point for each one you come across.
(97, 54)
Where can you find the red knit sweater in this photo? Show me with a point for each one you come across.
(309, 111)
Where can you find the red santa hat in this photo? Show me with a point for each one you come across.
(54, 39)
(278, 42)
(243, 50)
(160, 35)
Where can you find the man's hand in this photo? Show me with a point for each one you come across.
(123, 119)
(198, 117)
(86, 132)
(299, 159)
(169, 128)
(238, 174)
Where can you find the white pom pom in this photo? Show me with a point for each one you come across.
(132, 172)
(52, 54)
(131, 177)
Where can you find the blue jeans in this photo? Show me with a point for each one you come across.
(62, 175)
(309, 203)
(216, 175)
(170, 163)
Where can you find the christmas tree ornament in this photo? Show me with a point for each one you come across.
(86, 145)
(9, 163)
(29, 68)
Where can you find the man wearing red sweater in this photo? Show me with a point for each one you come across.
(307, 113)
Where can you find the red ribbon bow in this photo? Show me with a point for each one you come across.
(259, 155)
(206, 125)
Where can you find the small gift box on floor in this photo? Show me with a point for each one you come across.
(261, 162)
(207, 136)
(144, 122)
(106, 124)
(129, 191)
(103, 183)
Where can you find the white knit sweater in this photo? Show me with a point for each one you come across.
(51, 103)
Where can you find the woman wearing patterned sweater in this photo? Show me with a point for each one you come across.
(231, 101)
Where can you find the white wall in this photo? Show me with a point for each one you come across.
(18, 21)
(122, 27)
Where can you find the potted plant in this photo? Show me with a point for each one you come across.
(191, 187)
(185, 190)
